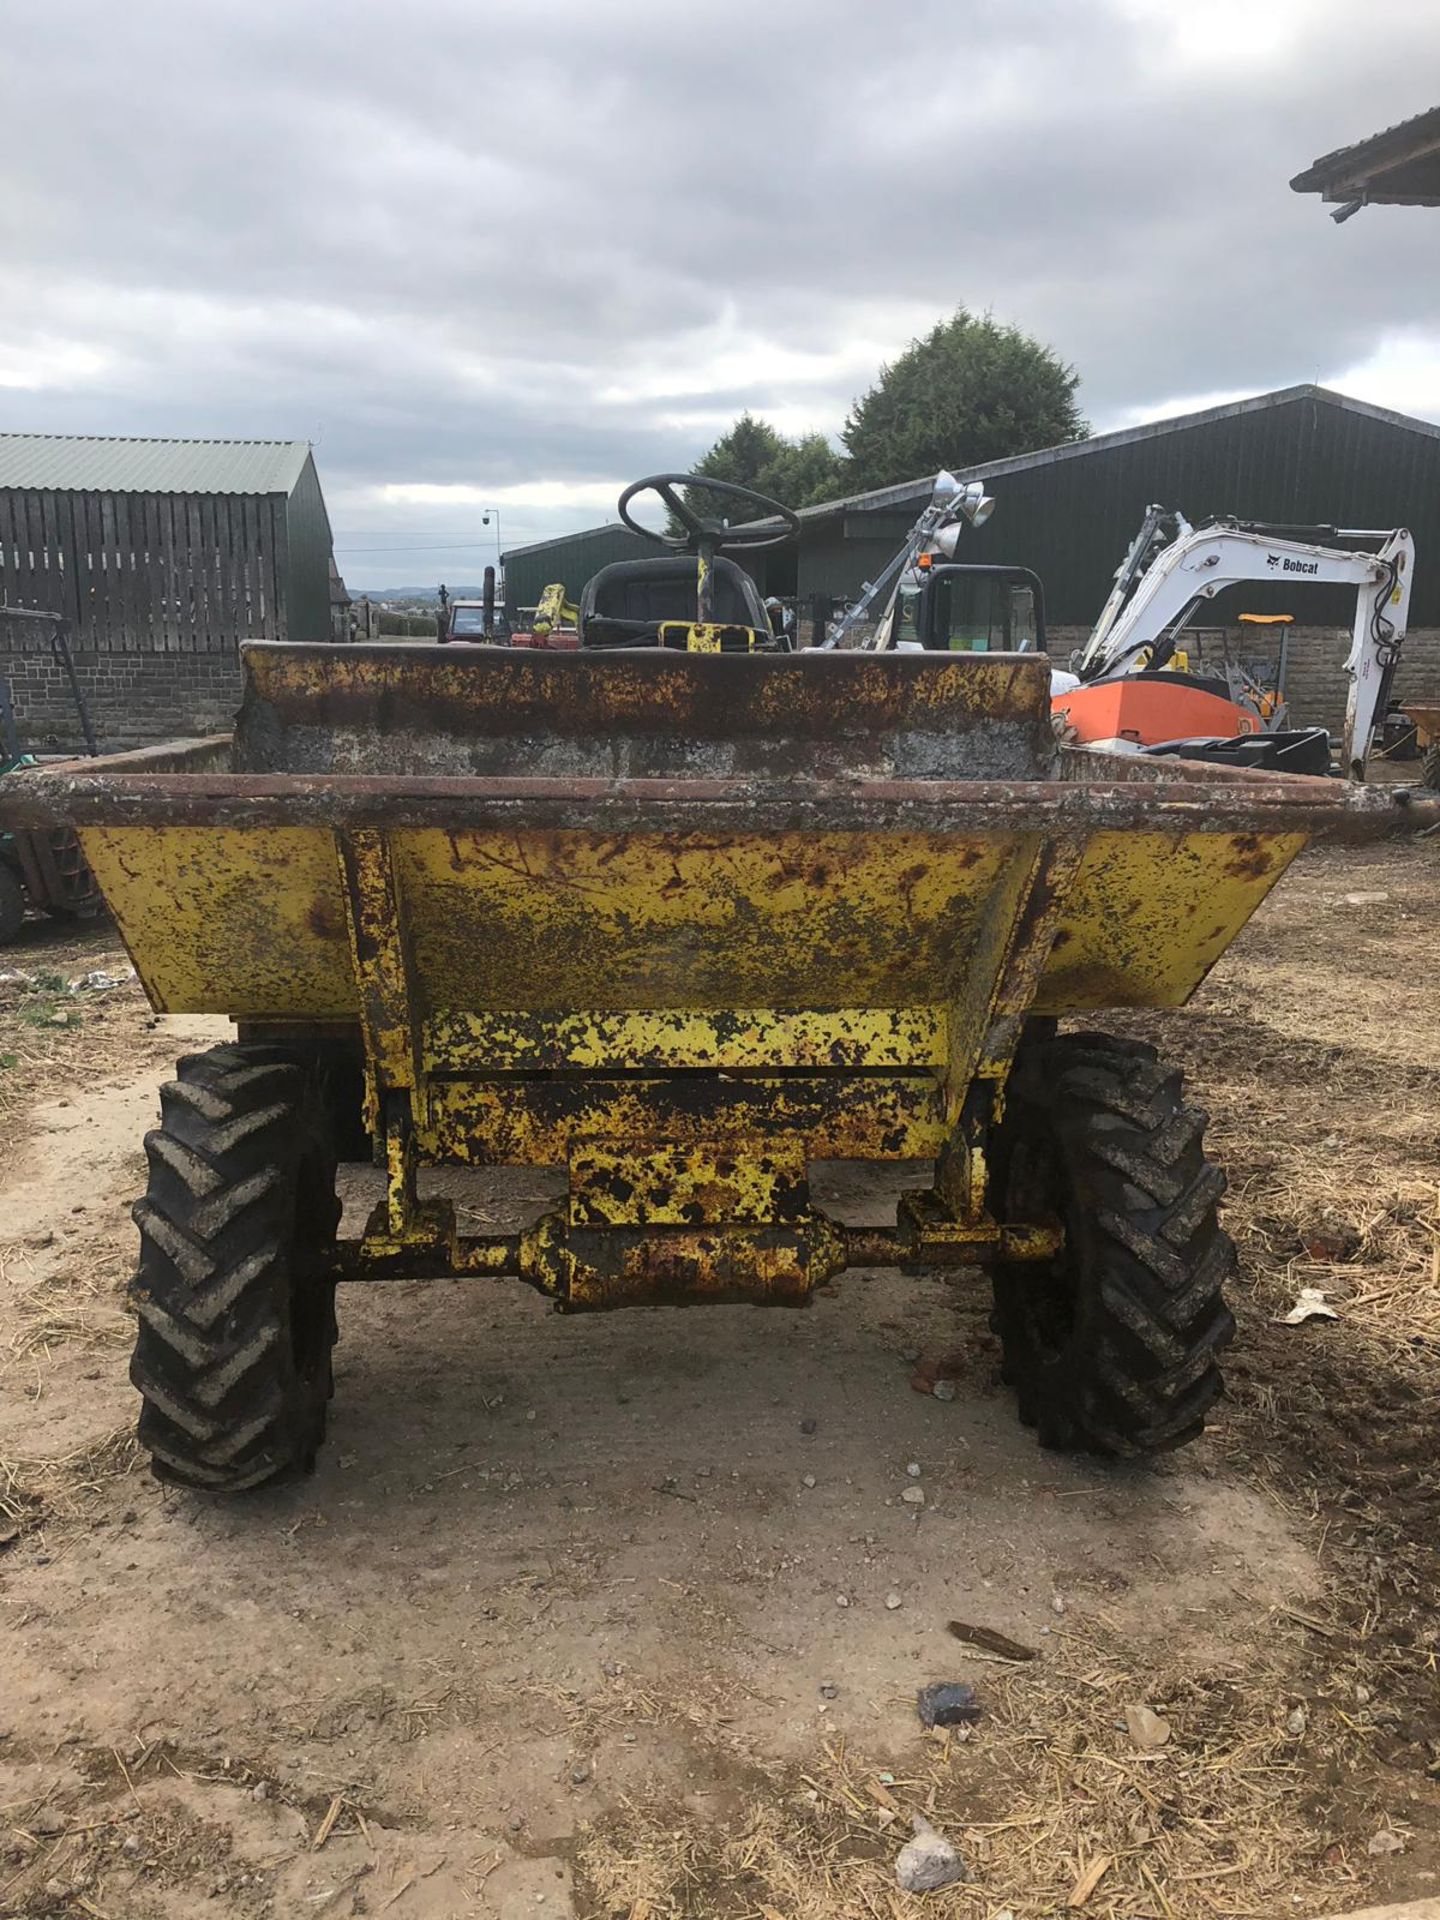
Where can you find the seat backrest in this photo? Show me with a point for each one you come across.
(631, 595)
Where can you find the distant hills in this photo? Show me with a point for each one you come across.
(421, 596)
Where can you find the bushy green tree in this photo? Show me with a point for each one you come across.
(971, 390)
(797, 473)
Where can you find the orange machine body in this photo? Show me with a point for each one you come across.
(1149, 708)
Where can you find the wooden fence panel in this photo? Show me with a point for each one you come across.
(129, 511)
(85, 507)
(225, 517)
(170, 585)
(104, 521)
(211, 510)
(10, 558)
(64, 585)
(149, 572)
(200, 554)
(10, 512)
(212, 516)
(280, 561)
(115, 514)
(252, 620)
(121, 567)
(142, 579)
(194, 561)
(68, 526)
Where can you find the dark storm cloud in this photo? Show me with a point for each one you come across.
(485, 246)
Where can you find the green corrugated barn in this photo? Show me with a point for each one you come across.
(160, 556)
(571, 558)
(1302, 456)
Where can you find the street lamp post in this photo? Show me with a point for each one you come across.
(493, 513)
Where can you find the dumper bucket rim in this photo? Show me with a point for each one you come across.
(1197, 800)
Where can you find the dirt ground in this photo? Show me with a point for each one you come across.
(624, 1616)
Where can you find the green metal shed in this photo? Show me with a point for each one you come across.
(570, 558)
(165, 545)
(160, 556)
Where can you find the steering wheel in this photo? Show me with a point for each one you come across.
(701, 534)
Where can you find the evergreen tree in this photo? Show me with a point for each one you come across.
(972, 390)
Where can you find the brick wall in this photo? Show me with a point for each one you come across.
(1315, 678)
(135, 699)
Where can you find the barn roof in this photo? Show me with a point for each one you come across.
(91, 463)
(912, 494)
(568, 539)
(1399, 167)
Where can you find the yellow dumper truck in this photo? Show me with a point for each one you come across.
(680, 913)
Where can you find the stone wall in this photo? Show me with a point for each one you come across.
(135, 699)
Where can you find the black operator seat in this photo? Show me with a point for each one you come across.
(624, 604)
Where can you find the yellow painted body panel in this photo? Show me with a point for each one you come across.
(506, 1120)
(1148, 915)
(230, 920)
(856, 944)
(662, 1183)
(551, 922)
(739, 1039)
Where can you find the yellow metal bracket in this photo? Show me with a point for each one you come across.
(394, 1081)
(706, 636)
(1019, 929)
(1016, 939)
(379, 950)
(935, 1235)
(635, 1183)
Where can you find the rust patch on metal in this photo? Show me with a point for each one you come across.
(1252, 858)
(324, 921)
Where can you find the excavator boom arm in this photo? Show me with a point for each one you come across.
(1202, 562)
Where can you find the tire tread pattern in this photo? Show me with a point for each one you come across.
(1149, 1262)
(224, 1406)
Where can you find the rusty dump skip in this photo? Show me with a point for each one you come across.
(681, 923)
(645, 837)
(645, 833)
(647, 713)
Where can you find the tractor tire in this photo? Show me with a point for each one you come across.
(1430, 767)
(12, 903)
(1112, 1345)
(235, 1289)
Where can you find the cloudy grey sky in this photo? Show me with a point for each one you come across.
(513, 253)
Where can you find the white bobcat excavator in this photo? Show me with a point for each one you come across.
(1131, 688)
(1173, 569)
